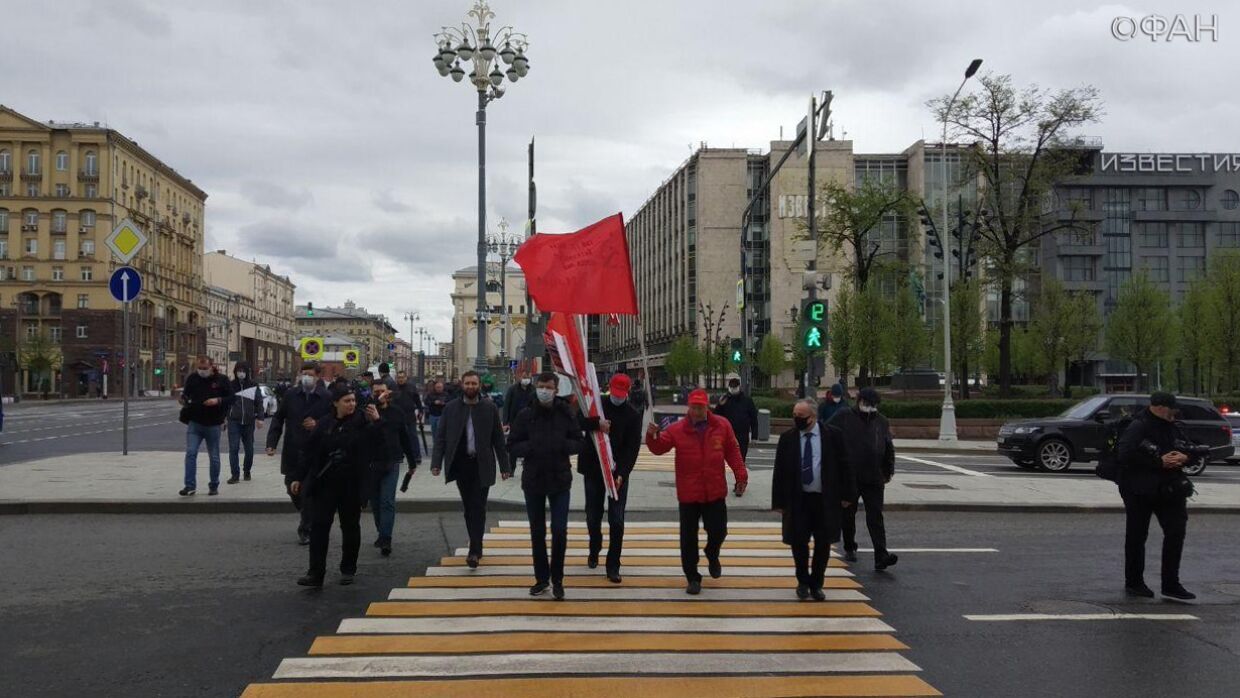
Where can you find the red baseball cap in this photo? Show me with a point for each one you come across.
(699, 397)
(620, 384)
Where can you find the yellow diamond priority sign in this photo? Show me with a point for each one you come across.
(126, 241)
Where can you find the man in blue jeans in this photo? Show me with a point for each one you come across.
(245, 414)
(544, 435)
(393, 444)
(206, 397)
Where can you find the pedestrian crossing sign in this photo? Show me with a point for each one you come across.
(311, 348)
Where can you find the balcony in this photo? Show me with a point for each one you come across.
(32, 176)
(6, 176)
(85, 176)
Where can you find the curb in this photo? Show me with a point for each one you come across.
(11, 508)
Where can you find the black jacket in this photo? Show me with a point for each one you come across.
(786, 488)
(337, 450)
(545, 437)
(1141, 472)
(409, 401)
(293, 410)
(488, 435)
(198, 390)
(516, 399)
(867, 445)
(245, 410)
(625, 436)
(741, 413)
(392, 434)
(435, 402)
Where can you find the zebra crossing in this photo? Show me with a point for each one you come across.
(460, 632)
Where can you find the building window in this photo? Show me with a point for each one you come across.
(1185, 199)
(55, 334)
(1159, 268)
(4, 220)
(32, 331)
(83, 301)
(62, 191)
(88, 219)
(1078, 268)
(1150, 199)
(88, 274)
(58, 273)
(1191, 268)
(1230, 199)
(4, 250)
(1119, 252)
(81, 332)
(6, 161)
(1190, 235)
(60, 221)
(91, 166)
(92, 191)
(32, 162)
(32, 246)
(32, 190)
(27, 273)
(88, 248)
(1229, 234)
(58, 249)
(62, 161)
(1152, 234)
(30, 217)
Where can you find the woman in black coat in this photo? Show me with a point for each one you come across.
(334, 470)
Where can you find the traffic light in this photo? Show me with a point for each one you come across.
(309, 310)
(159, 371)
(815, 316)
(738, 351)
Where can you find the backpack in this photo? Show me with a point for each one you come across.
(1109, 467)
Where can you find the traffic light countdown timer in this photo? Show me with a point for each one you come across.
(814, 335)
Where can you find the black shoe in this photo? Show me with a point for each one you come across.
(817, 594)
(213, 491)
(888, 560)
(694, 588)
(386, 548)
(233, 480)
(472, 561)
(613, 575)
(345, 579)
(802, 592)
(1139, 590)
(592, 561)
(246, 476)
(539, 589)
(311, 580)
(716, 569)
(1179, 593)
(850, 555)
(557, 590)
(303, 538)
(187, 492)
(378, 542)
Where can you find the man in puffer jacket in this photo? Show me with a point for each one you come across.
(703, 443)
(244, 416)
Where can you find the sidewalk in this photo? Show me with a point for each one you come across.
(148, 483)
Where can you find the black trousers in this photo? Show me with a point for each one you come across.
(536, 509)
(872, 495)
(301, 503)
(714, 518)
(810, 521)
(743, 442)
(596, 499)
(335, 494)
(473, 500)
(1172, 517)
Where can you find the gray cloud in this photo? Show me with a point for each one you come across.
(272, 195)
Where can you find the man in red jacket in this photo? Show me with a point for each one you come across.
(703, 442)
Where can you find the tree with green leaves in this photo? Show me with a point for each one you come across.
(770, 360)
(968, 336)
(1084, 329)
(871, 332)
(840, 330)
(684, 360)
(1194, 350)
(1024, 147)
(1224, 317)
(910, 340)
(1140, 329)
(850, 219)
(1052, 326)
(40, 356)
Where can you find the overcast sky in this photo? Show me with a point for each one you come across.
(332, 150)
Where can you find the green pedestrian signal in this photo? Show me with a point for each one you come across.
(814, 315)
(738, 351)
(159, 371)
(813, 338)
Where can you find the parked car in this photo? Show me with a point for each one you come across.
(1079, 434)
(1233, 419)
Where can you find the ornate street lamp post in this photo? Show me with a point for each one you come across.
(504, 246)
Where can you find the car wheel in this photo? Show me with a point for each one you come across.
(1024, 463)
(1195, 469)
(1054, 455)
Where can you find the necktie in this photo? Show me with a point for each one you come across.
(807, 462)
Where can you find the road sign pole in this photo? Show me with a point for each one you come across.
(128, 361)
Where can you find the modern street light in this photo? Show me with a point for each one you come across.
(504, 246)
(412, 316)
(947, 422)
(478, 44)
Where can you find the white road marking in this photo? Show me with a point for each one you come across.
(1012, 617)
(630, 570)
(615, 624)
(945, 466)
(635, 525)
(617, 593)
(84, 433)
(585, 663)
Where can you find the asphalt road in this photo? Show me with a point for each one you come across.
(190, 605)
(33, 430)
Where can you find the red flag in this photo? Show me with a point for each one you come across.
(584, 273)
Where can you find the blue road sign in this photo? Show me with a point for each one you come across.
(125, 284)
(512, 365)
(391, 347)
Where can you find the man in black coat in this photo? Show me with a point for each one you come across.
(809, 487)
(409, 401)
(244, 416)
(544, 435)
(741, 413)
(519, 396)
(623, 426)
(392, 443)
(206, 397)
(469, 445)
(1152, 482)
(871, 457)
(303, 406)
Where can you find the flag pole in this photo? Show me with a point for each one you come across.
(648, 417)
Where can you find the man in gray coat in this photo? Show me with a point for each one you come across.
(470, 441)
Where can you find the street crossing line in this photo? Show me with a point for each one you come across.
(1079, 616)
(945, 466)
(459, 631)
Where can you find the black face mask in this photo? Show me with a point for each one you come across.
(801, 423)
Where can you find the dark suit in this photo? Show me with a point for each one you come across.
(474, 474)
(295, 406)
(871, 456)
(811, 514)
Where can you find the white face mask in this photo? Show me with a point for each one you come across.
(734, 391)
(307, 381)
(545, 395)
(617, 401)
(204, 373)
(868, 409)
(241, 375)
(525, 381)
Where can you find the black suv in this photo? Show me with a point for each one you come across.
(1079, 434)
